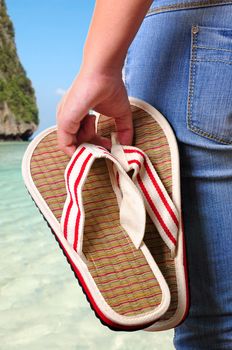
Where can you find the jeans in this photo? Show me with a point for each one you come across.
(180, 61)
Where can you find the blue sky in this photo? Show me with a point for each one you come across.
(50, 37)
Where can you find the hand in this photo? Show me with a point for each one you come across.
(104, 93)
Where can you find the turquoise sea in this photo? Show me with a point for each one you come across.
(41, 304)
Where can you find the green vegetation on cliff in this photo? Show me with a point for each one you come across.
(15, 88)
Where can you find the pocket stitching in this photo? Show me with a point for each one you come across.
(204, 60)
(193, 59)
(212, 48)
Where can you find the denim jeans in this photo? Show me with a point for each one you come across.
(180, 61)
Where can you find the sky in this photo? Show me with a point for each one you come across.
(50, 37)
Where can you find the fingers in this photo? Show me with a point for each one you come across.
(72, 134)
(86, 130)
(87, 133)
(68, 141)
(66, 135)
(69, 122)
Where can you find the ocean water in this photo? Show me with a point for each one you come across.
(41, 303)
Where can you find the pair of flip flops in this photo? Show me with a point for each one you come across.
(117, 217)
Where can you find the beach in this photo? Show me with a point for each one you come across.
(42, 304)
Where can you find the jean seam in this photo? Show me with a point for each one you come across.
(191, 86)
(184, 6)
(191, 75)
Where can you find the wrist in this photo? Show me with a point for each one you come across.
(100, 70)
(104, 61)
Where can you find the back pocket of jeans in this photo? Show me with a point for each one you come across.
(209, 110)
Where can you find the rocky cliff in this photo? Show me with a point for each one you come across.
(18, 109)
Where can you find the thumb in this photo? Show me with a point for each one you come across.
(124, 127)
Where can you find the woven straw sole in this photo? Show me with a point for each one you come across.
(152, 138)
(121, 272)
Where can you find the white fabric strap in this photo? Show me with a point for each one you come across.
(158, 203)
(132, 209)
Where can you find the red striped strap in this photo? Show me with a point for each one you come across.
(132, 210)
(158, 203)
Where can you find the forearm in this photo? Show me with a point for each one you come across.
(112, 29)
